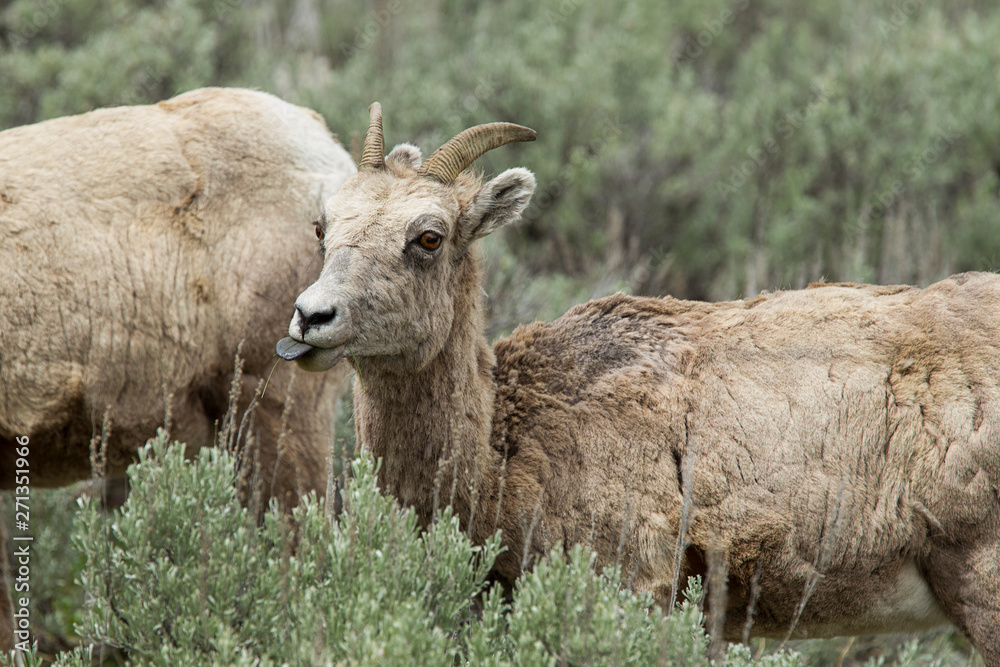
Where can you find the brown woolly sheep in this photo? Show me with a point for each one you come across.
(139, 246)
(832, 453)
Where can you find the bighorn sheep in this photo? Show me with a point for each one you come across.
(837, 447)
(138, 247)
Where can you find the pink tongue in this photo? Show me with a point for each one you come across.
(290, 349)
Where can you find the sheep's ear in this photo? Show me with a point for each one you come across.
(407, 154)
(500, 202)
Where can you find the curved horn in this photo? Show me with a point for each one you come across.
(373, 153)
(447, 162)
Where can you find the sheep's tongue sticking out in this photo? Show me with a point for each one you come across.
(290, 349)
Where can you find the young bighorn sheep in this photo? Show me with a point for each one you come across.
(138, 247)
(835, 450)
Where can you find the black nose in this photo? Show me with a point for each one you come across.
(316, 319)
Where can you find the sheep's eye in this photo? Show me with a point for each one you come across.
(430, 240)
(319, 230)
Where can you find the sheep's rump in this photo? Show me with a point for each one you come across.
(138, 247)
(834, 442)
(853, 427)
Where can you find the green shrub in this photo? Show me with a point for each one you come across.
(183, 575)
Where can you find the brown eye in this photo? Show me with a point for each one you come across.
(319, 231)
(430, 240)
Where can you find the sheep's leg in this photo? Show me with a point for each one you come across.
(967, 583)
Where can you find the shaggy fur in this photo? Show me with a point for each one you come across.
(138, 247)
(837, 446)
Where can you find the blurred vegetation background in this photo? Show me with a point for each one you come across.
(708, 149)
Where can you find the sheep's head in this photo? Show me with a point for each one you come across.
(395, 239)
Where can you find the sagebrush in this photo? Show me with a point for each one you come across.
(183, 575)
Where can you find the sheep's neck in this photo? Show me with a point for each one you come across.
(432, 427)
